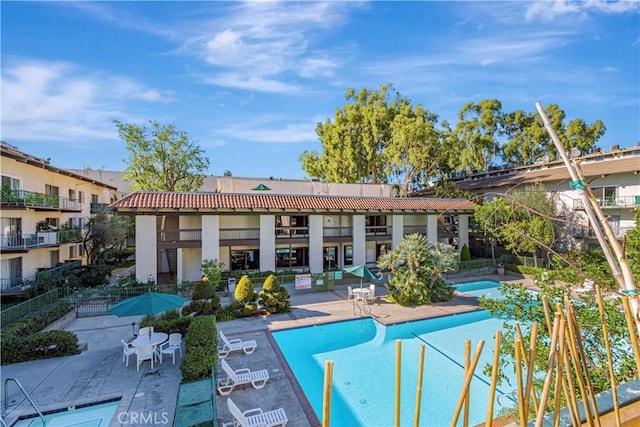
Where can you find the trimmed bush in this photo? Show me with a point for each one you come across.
(244, 292)
(465, 254)
(203, 290)
(40, 345)
(201, 347)
(274, 297)
(168, 326)
(39, 320)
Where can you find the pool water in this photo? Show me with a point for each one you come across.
(364, 355)
(90, 416)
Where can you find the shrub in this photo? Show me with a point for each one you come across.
(212, 270)
(274, 297)
(38, 321)
(465, 254)
(201, 347)
(168, 326)
(203, 290)
(16, 348)
(226, 313)
(244, 292)
(89, 276)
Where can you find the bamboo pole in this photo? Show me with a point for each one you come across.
(547, 315)
(467, 362)
(548, 377)
(326, 397)
(607, 346)
(620, 265)
(494, 378)
(398, 376)
(467, 381)
(559, 372)
(632, 333)
(521, 403)
(529, 391)
(575, 355)
(572, 399)
(416, 421)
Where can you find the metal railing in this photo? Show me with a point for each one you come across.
(38, 200)
(378, 230)
(239, 234)
(611, 202)
(96, 302)
(337, 231)
(6, 394)
(291, 232)
(18, 311)
(98, 207)
(180, 235)
(41, 238)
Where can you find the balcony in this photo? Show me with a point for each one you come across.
(99, 207)
(239, 236)
(413, 229)
(337, 232)
(30, 199)
(23, 242)
(292, 232)
(179, 238)
(378, 230)
(611, 202)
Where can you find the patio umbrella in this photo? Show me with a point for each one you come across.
(145, 304)
(361, 271)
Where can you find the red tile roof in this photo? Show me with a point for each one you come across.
(149, 202)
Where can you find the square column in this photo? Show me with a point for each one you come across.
(316, 239)
(146, 248)
(397, 230)
(267, 242)
(432, 228)
(210, 237)
(180, 266)
(359, 240)
(463, 231)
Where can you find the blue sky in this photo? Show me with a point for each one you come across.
(249, 81)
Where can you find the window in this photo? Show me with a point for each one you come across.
(292, 257)
(292, 224)
(51, 190)
(11, 272)
(72, 195)
(81, 196)
(606, 196)
(330, 257)
(94, 198)
(81, 223)
(54, 258)
(11, 225)
(376, 224)
(245, 259)
(53, 222)
(10, 183)
(348, 255)
(81, 250)
(73, 252)
(382, 249)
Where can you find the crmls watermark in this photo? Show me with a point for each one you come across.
(144, 418)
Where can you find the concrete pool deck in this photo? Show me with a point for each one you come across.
(99, 374)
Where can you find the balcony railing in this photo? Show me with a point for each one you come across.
(34, 240)
(412, 229)
(99, 207)
(378, 230)
(180, 235)
(611, 202)
(292, 232)
(239, 234)
(37, 200)
(338, 231)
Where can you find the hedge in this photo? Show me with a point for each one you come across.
(201, 348)
(40, 345)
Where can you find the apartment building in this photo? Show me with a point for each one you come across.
(260, 230)
(613, 177)
(44, 209)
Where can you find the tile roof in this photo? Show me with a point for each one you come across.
(149, 202)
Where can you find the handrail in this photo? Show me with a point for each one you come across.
(6, 388)
(2, 422)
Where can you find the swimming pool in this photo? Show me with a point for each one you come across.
(90, 415)
(364, 354)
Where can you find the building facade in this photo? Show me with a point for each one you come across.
(176, 232)
(44, 209)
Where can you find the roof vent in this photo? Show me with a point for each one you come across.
(615, 147)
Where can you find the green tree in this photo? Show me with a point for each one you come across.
(523, 221)
(162, 158)
(633, 247)
(244, 292)
(212, 270)
(102, 232)
(448, 189)
(417, 268)
(204, 290)
(478, 128)
(465, 254)
(273, 296)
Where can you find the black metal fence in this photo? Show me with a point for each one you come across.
(97, 302)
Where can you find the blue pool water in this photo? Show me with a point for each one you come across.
(364, 354)
(90, 416)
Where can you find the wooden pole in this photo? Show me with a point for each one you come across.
(467, 381)
(547, 315)
(326, 398)
(548, 378)
(572, 399)
(632, 333)
(416, 421)
(398, 376)
(521, 403)
(494, 378)
(619, 265)
(529, 391)
(559, 372)
(607, 346)
(467, 362)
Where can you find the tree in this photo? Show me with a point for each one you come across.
(162, 158)
(633, 247)
(102, 232)
(417, 268)
(245, 295)
(478, 128)
(274, 297)
(212, 270)
(523, 221)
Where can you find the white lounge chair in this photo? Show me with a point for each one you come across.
(127, 350)
(257, 379)
(256, 417)
(169, 347)
(235, 345)
(143, 353)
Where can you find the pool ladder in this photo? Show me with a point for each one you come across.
(6, 389)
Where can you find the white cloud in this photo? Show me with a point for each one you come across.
(248, 82)
(549, 10)
(57, 101)
(267, 129)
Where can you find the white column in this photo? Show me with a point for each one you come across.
(180, 266)
(146, 248)
(359, 240)
(397, 230)
(267, 242)
(316, 239)
(210, 237)
(463, 231)
(432, 228)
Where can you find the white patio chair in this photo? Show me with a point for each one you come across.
(147, 330)
(349, 293)
(169, 347)
(127, 350)
(239, 377)
(143, 353)
(235, 345)
(256, 417)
